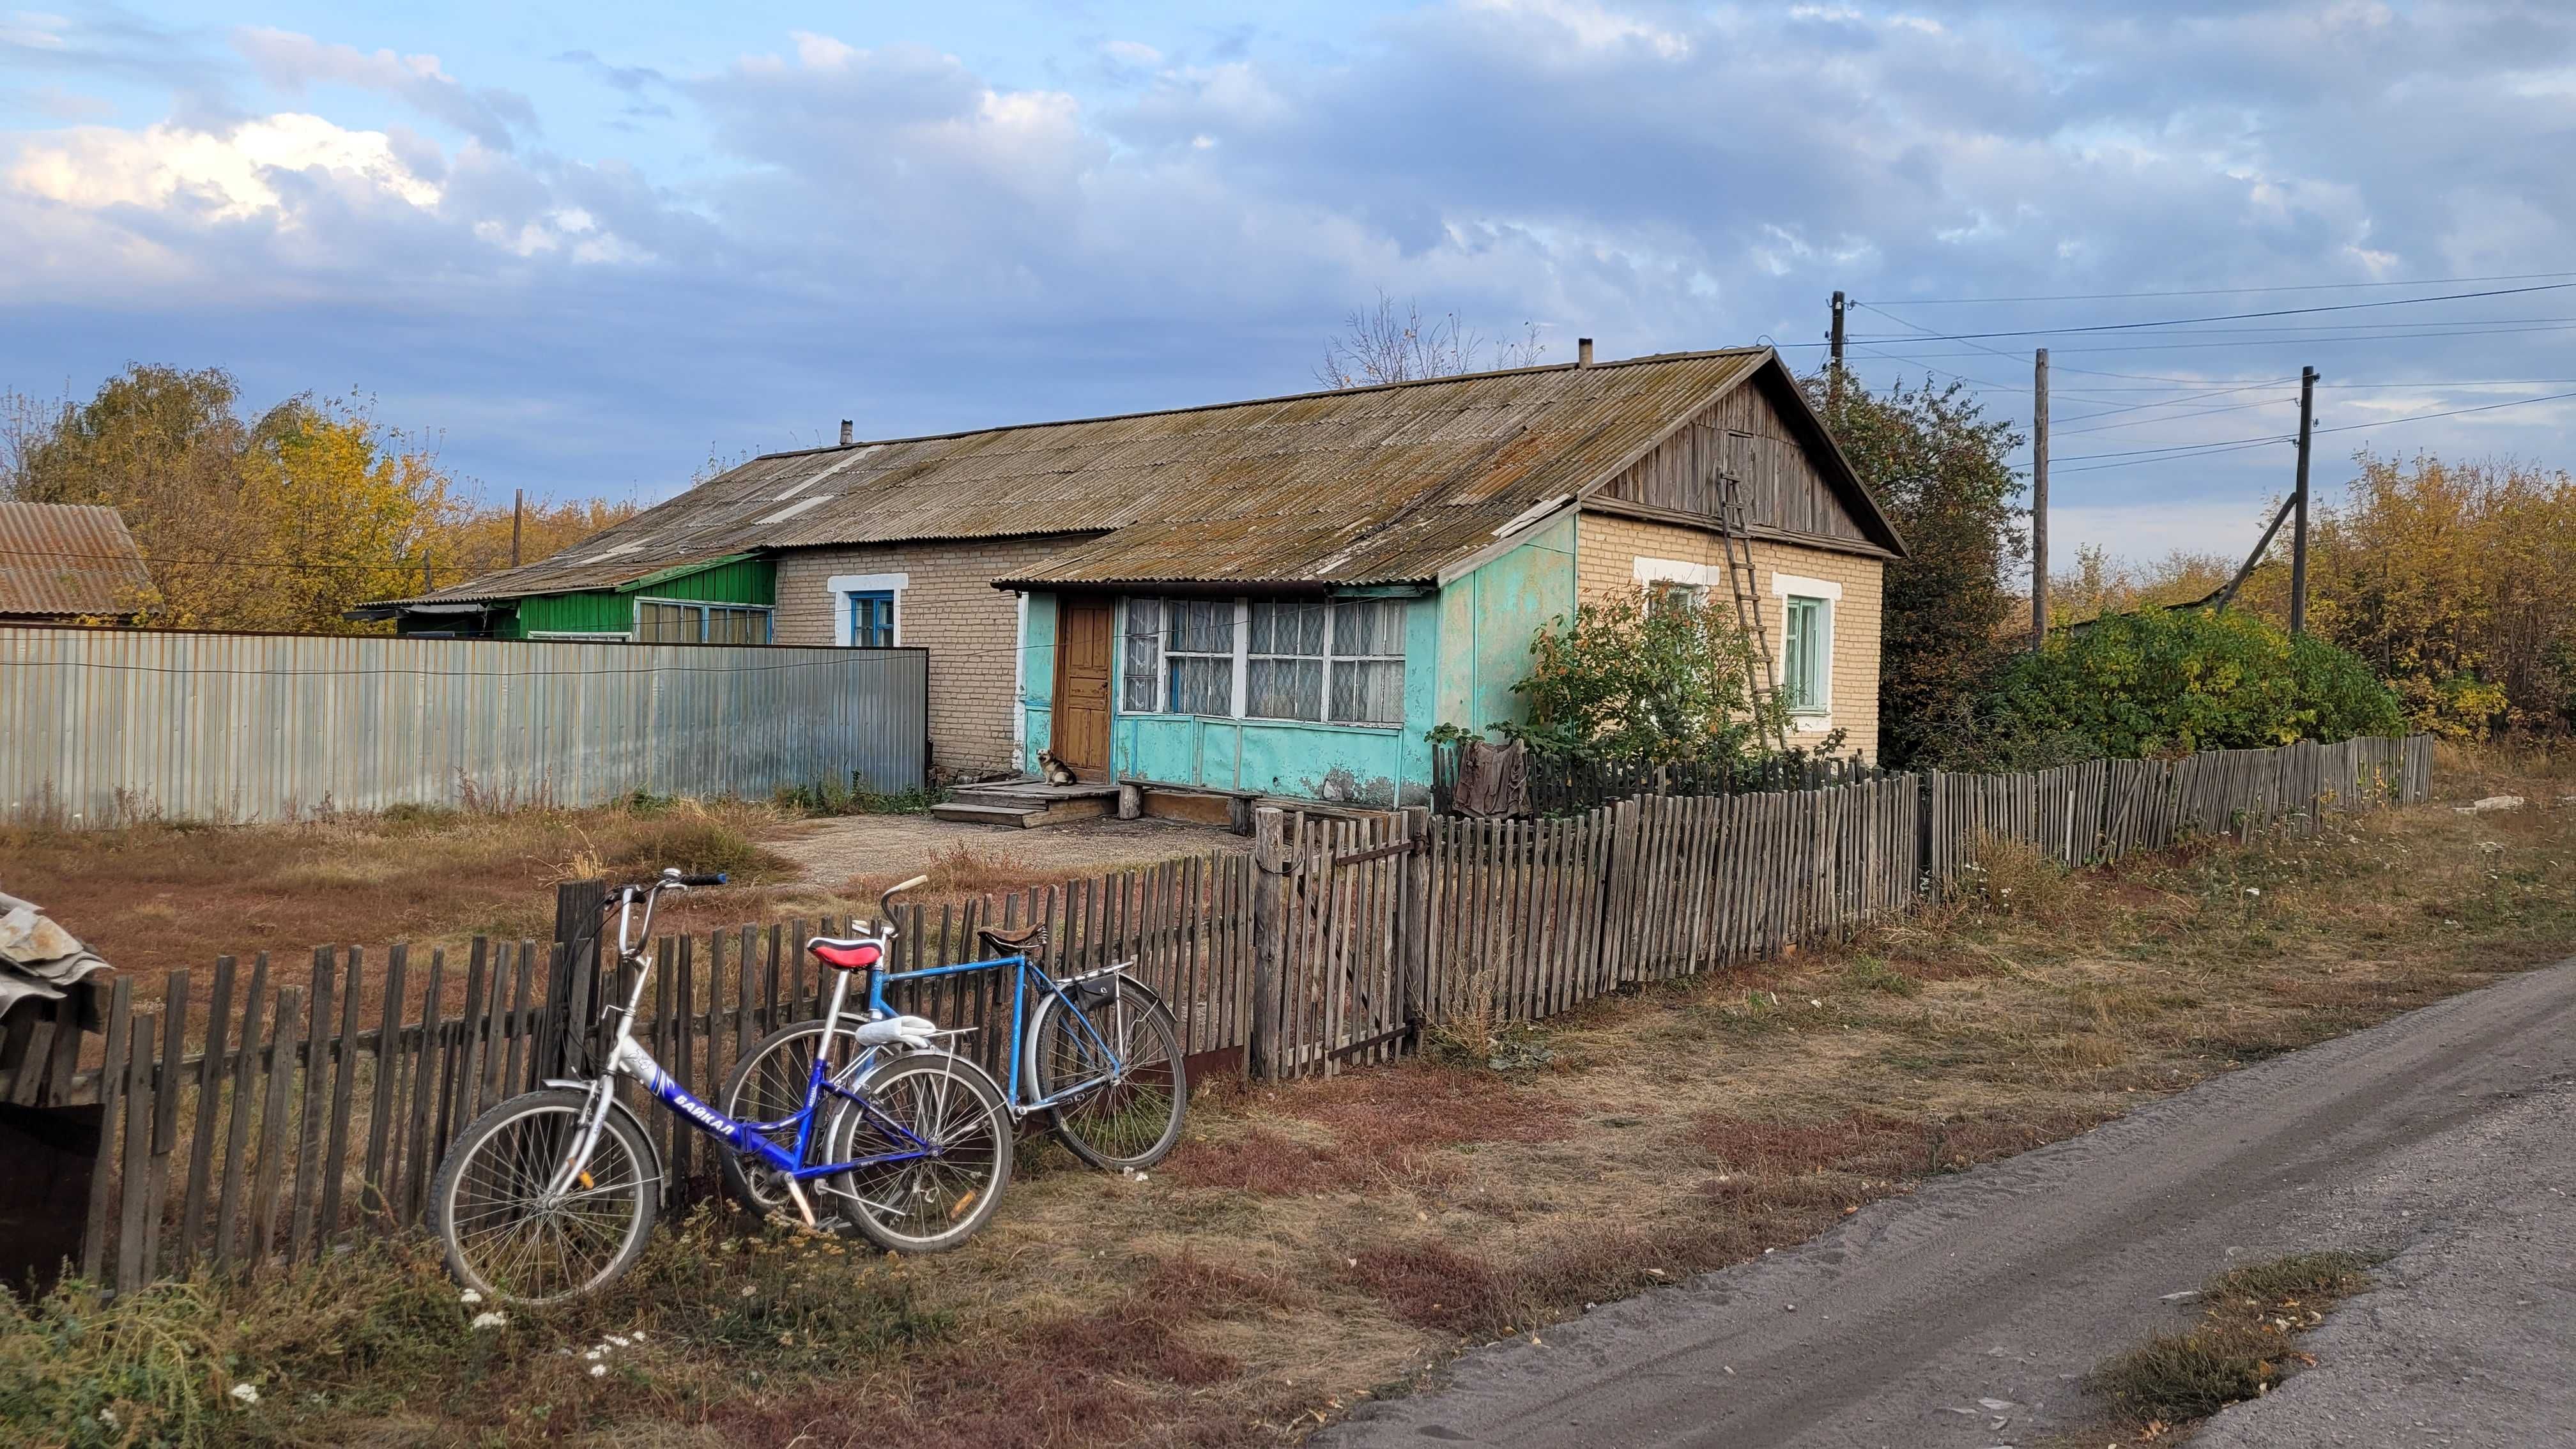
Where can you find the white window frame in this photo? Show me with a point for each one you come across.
(1163, 655)
(1154, 676)
(1333, 657)
(1323, 663)
(635, 631)
(841, 586)
(1819, 718)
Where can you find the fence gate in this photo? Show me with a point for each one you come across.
(1343, 973)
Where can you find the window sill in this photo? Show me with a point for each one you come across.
(1811, 724)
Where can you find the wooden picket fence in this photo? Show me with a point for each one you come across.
(250, 1122)
(1395, 929)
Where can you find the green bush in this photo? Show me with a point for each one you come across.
(2162, 681)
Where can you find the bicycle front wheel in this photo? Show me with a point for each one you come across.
(1128, 1050)
(922, 1204)
(505, 1239)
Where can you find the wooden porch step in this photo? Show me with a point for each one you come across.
(1027, 804)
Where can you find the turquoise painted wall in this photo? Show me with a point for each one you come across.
(1486, 622)
(1464, 648)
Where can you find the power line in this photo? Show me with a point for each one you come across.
(2221, 317)
(2158, 455)
(2224, 291)
(2259, 342)
(2271, 402)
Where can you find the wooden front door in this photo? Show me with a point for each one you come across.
(1083, 630)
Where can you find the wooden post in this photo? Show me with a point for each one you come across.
(2299, 504)
(577, 921)
(1269, 936)
(1413, 919)
(1834, 375)
(2039, 500)
(518, 518)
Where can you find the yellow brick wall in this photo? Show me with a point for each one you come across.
(1608, 546)
(950, 608)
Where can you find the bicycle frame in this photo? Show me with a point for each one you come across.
(627, 1058)
(1021, 969)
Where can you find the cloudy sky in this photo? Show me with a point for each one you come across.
(590, 245)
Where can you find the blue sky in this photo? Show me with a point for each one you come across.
(590, 247)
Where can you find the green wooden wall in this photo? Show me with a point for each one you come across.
(612, 611)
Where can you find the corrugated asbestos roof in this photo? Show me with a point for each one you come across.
(68, 558)
(1373, 485)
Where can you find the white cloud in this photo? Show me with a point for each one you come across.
(293, 63)
(1590, 25)
(214, 176)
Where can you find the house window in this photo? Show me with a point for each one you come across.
(1283, 675)
(1298, 659)
(671, 621)
(1140, 664)
(1198, 652)
(1664, 596)
(871, 618)
(867, 609)
(1368, 662)
(1806, 649)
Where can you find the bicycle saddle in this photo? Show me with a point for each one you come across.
(856, 953)
(1026, 941)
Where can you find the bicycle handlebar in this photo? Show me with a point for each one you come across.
(885, 903)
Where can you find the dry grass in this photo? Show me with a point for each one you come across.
(962, 872)
(154, 896)
(1308, 1246)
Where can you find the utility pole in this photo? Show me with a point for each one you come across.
(2039, 500)
(518, 515)
(2299, 504)
(1834, 378)
(424, 568)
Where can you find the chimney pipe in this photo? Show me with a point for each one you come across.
(1583, 352)
(846, 438)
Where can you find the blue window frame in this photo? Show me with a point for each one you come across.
(872, 619)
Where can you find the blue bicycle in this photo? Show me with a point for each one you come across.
(550, 1195)
(1098, 1054)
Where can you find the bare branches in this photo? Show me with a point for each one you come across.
(1379, 345)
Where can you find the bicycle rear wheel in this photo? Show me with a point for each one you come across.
(925, 1204)
(768, 1085)
(1131, 1116)
(504, 1239)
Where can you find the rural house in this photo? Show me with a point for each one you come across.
(1270, 597)
(61, 563)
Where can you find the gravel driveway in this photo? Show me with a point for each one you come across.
(1964, 1316)
(832, 851)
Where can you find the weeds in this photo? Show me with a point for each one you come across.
(2242, 1347)
(827, 797)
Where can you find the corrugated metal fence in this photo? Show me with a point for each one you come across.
(100, 725)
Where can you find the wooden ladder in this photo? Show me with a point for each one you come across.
(1763, 688)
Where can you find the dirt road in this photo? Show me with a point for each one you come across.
(1965, 1314)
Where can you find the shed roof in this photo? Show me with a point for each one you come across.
(68, 558)
(1373, 485)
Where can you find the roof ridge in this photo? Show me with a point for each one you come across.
(1451, 379)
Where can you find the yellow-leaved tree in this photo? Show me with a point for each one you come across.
(2456, 582)
(283, 523)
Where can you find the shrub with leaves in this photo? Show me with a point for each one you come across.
(1622, 679)
(2161, 682)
